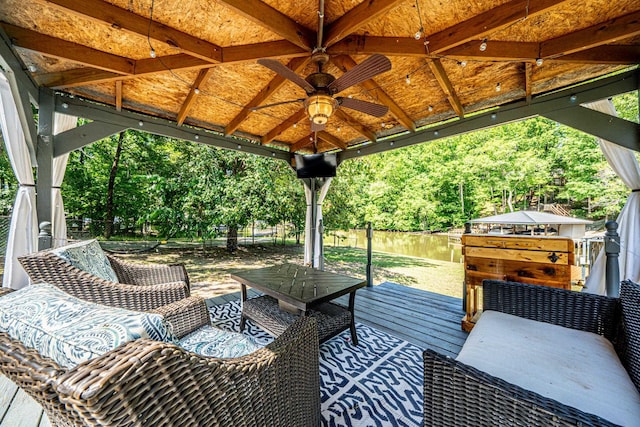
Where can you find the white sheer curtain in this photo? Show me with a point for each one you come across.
(23, 231)
(625, 164)
(61, 123)
(308, 241)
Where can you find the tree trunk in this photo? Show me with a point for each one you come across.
(510, 200)
(232, 238)
(108, 226)
(461, 187)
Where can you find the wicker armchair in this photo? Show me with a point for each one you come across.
(140, 287)
(151, 383)
(460, 395)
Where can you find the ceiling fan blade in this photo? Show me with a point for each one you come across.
(275, 104)
(287, 73)
(316, 127)
(366, 107)
(370, 67)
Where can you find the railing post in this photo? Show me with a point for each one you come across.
(321, 240)
(612, 250)
(467, 230)
(369, 266)
(44, 237)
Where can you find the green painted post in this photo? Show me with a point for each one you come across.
(369, 265)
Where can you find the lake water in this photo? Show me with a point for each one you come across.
(432, 246)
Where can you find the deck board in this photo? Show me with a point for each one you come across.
(426, 319)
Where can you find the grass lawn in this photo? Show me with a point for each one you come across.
(209, 266)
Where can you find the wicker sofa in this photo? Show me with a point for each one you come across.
(135, 286)
(144, 382)
(458, 394)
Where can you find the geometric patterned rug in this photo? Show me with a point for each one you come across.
(376, 383)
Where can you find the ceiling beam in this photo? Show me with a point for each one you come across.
(486, 23)
(105, 13)
(528, 83)
(251, 52)
(296, 64)
(119, 95)
(107, 114)
(62, 49)
(78, 137)
(201, 80)
(356, 18)
(331, 139)
(290, 121)
(447, 87)
(301, 143)
(368, 45)
(353, 123)
(606, 54)
(605, 32)
(273, 20)
(345, 63)
(496, 51)
(540, 104)
(601, 125)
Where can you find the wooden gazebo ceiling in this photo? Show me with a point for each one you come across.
(205, 73)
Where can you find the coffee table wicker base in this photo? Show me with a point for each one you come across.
(265, 312)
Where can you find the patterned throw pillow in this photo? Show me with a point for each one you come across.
(70, 330)
(88, 256)
(214, 342)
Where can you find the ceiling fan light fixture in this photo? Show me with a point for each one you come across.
(320, 107)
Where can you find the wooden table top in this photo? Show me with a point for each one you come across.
(297, 284)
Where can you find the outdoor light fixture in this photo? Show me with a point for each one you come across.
(320, 107)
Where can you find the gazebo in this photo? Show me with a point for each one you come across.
(566, 226)
(276, 78)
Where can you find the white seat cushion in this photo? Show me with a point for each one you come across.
(87, 255)
(576, 368)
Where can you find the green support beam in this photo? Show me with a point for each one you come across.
(44, 157)
(84, 135)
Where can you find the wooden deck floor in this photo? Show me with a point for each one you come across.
(426, 319)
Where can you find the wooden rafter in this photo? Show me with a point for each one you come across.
(345, 63)
(353, 123)
(597, 35)
(441, 76)
(119, 95)
(251, 52)
(496, 51)
(607, 54)
(103, 12)
(276, 83)
(332, 139)
(62, 49)
(202, 78)
(368, 45)
(488, 22)
(273, 20)
(290, 121)
(528, 84)
(301, 143)
(357, 17)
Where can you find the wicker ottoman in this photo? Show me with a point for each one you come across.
(266, 313)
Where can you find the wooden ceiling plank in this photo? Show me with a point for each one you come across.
(356, 18)
(105, 13)
(332, 139)
(273, 20)
(353, 123)
(202, 78)
(496, 51)
(606, 54)
(528, 84)
(606, 32)
(487, 23)
(273, 133)
(119, 95)
(62, 49)
(301, 143)
(345, 63)
(251, 52)
(296, 64)
(368, 45)
(441, 76)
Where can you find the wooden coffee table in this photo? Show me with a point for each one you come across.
(292, 290)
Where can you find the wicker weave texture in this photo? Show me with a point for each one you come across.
(45, 267)
(630, 329)
(264, 310)
(185, 315)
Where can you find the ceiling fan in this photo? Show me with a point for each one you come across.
(321, 87)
